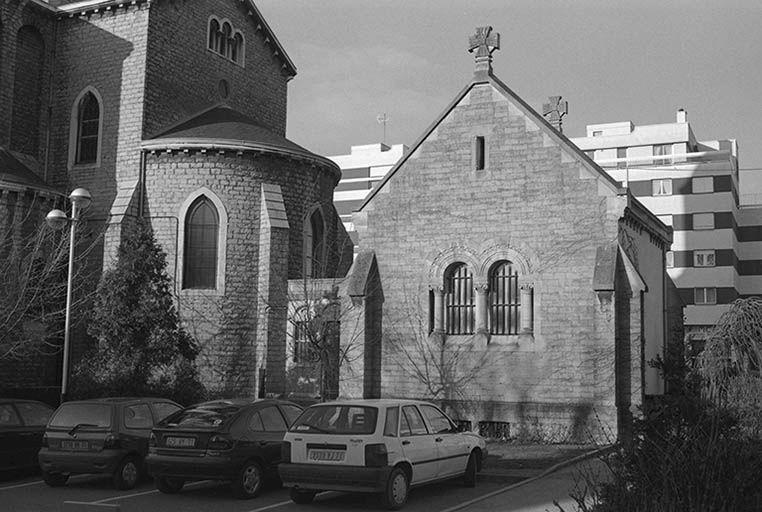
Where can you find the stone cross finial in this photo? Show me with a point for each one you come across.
(555, 110)
(484, 42)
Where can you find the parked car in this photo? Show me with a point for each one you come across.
(376, 446)
(236, 440)
(22, 423)
(104, 435)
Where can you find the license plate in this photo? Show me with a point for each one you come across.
(75, 445)
(181, 442)
(327, 455)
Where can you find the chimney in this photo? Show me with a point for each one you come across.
(682, 116)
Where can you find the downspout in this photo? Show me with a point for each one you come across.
(141, 184)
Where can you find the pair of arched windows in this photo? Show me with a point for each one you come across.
(503, 299)
(226, 41)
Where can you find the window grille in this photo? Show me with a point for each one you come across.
(703, 258)
(504, 299)
(459, 300)
(201, 228)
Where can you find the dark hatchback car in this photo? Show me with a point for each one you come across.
(105, 435)
(22, 424)
(237, 440)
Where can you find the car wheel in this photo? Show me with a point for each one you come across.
(469, 477)
(127, 473)
(395, 495)
(301, 497)
(55, 479)
(248, 482)
(169, 485)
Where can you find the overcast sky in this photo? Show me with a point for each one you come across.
(612, 60)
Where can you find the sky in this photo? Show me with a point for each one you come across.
(612, 60)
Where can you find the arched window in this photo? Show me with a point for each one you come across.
(237, 48)
(227, 32)
(459, 300)
(88, 125)
(214, 35)
(200, 251)
(504, 299)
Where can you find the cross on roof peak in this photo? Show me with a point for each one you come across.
(484, 41)
(554, 111)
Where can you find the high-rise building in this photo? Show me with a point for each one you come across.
(362, 168)
(693, 186)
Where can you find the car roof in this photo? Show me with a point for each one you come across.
(17, 400)
(374, 402)
(241, 402)
(117, 400)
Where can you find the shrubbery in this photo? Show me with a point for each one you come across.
(142, 350)
(698, 448)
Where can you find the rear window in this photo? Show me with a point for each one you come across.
(202, 416)
(86, 415)
(336, 419)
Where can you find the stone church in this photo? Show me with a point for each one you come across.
(500, 270)
(522, 285)
(175, 112)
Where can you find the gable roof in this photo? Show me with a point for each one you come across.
(528, 111)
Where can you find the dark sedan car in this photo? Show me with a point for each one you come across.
(22, 423)
(104, 435)
(236, 440)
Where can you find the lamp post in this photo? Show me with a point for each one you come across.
(57, 219)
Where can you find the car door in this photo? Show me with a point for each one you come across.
(34, 416)
(418, 445)
(452, 452)
(268, 427)
(10, 437)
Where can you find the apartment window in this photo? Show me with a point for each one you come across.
(662, 187)
(703, 258)
(703, 221)
(670, 258)
(702, 185)
(597, 133)
(705, 295)
(459, 300)
(504, 299)
(480, 157)
(666, 219)
(662, 150)
(621, 153)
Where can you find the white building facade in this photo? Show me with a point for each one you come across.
(693, 186)
(361, 169)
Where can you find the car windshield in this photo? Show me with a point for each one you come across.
(84, 414)
(202, 416)
(337, 419)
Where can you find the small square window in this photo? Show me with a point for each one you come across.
(703, 221)
(705, 295)
(597, 133)
(670, 258)
(662, 187)
(702, 185)
(621, 153)
(703, 258)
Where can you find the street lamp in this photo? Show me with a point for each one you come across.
(57, 219)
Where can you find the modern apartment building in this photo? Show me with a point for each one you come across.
(693, 186)
(362, 168)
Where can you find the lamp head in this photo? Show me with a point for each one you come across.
(56, 219)
(80, 197)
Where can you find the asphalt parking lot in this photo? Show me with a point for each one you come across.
(32, 495)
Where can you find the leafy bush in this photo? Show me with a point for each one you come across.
(141, 347)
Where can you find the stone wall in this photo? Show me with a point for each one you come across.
(538, 203)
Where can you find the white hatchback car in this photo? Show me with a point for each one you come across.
(380, 446)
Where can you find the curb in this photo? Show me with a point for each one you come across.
(550, 470)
